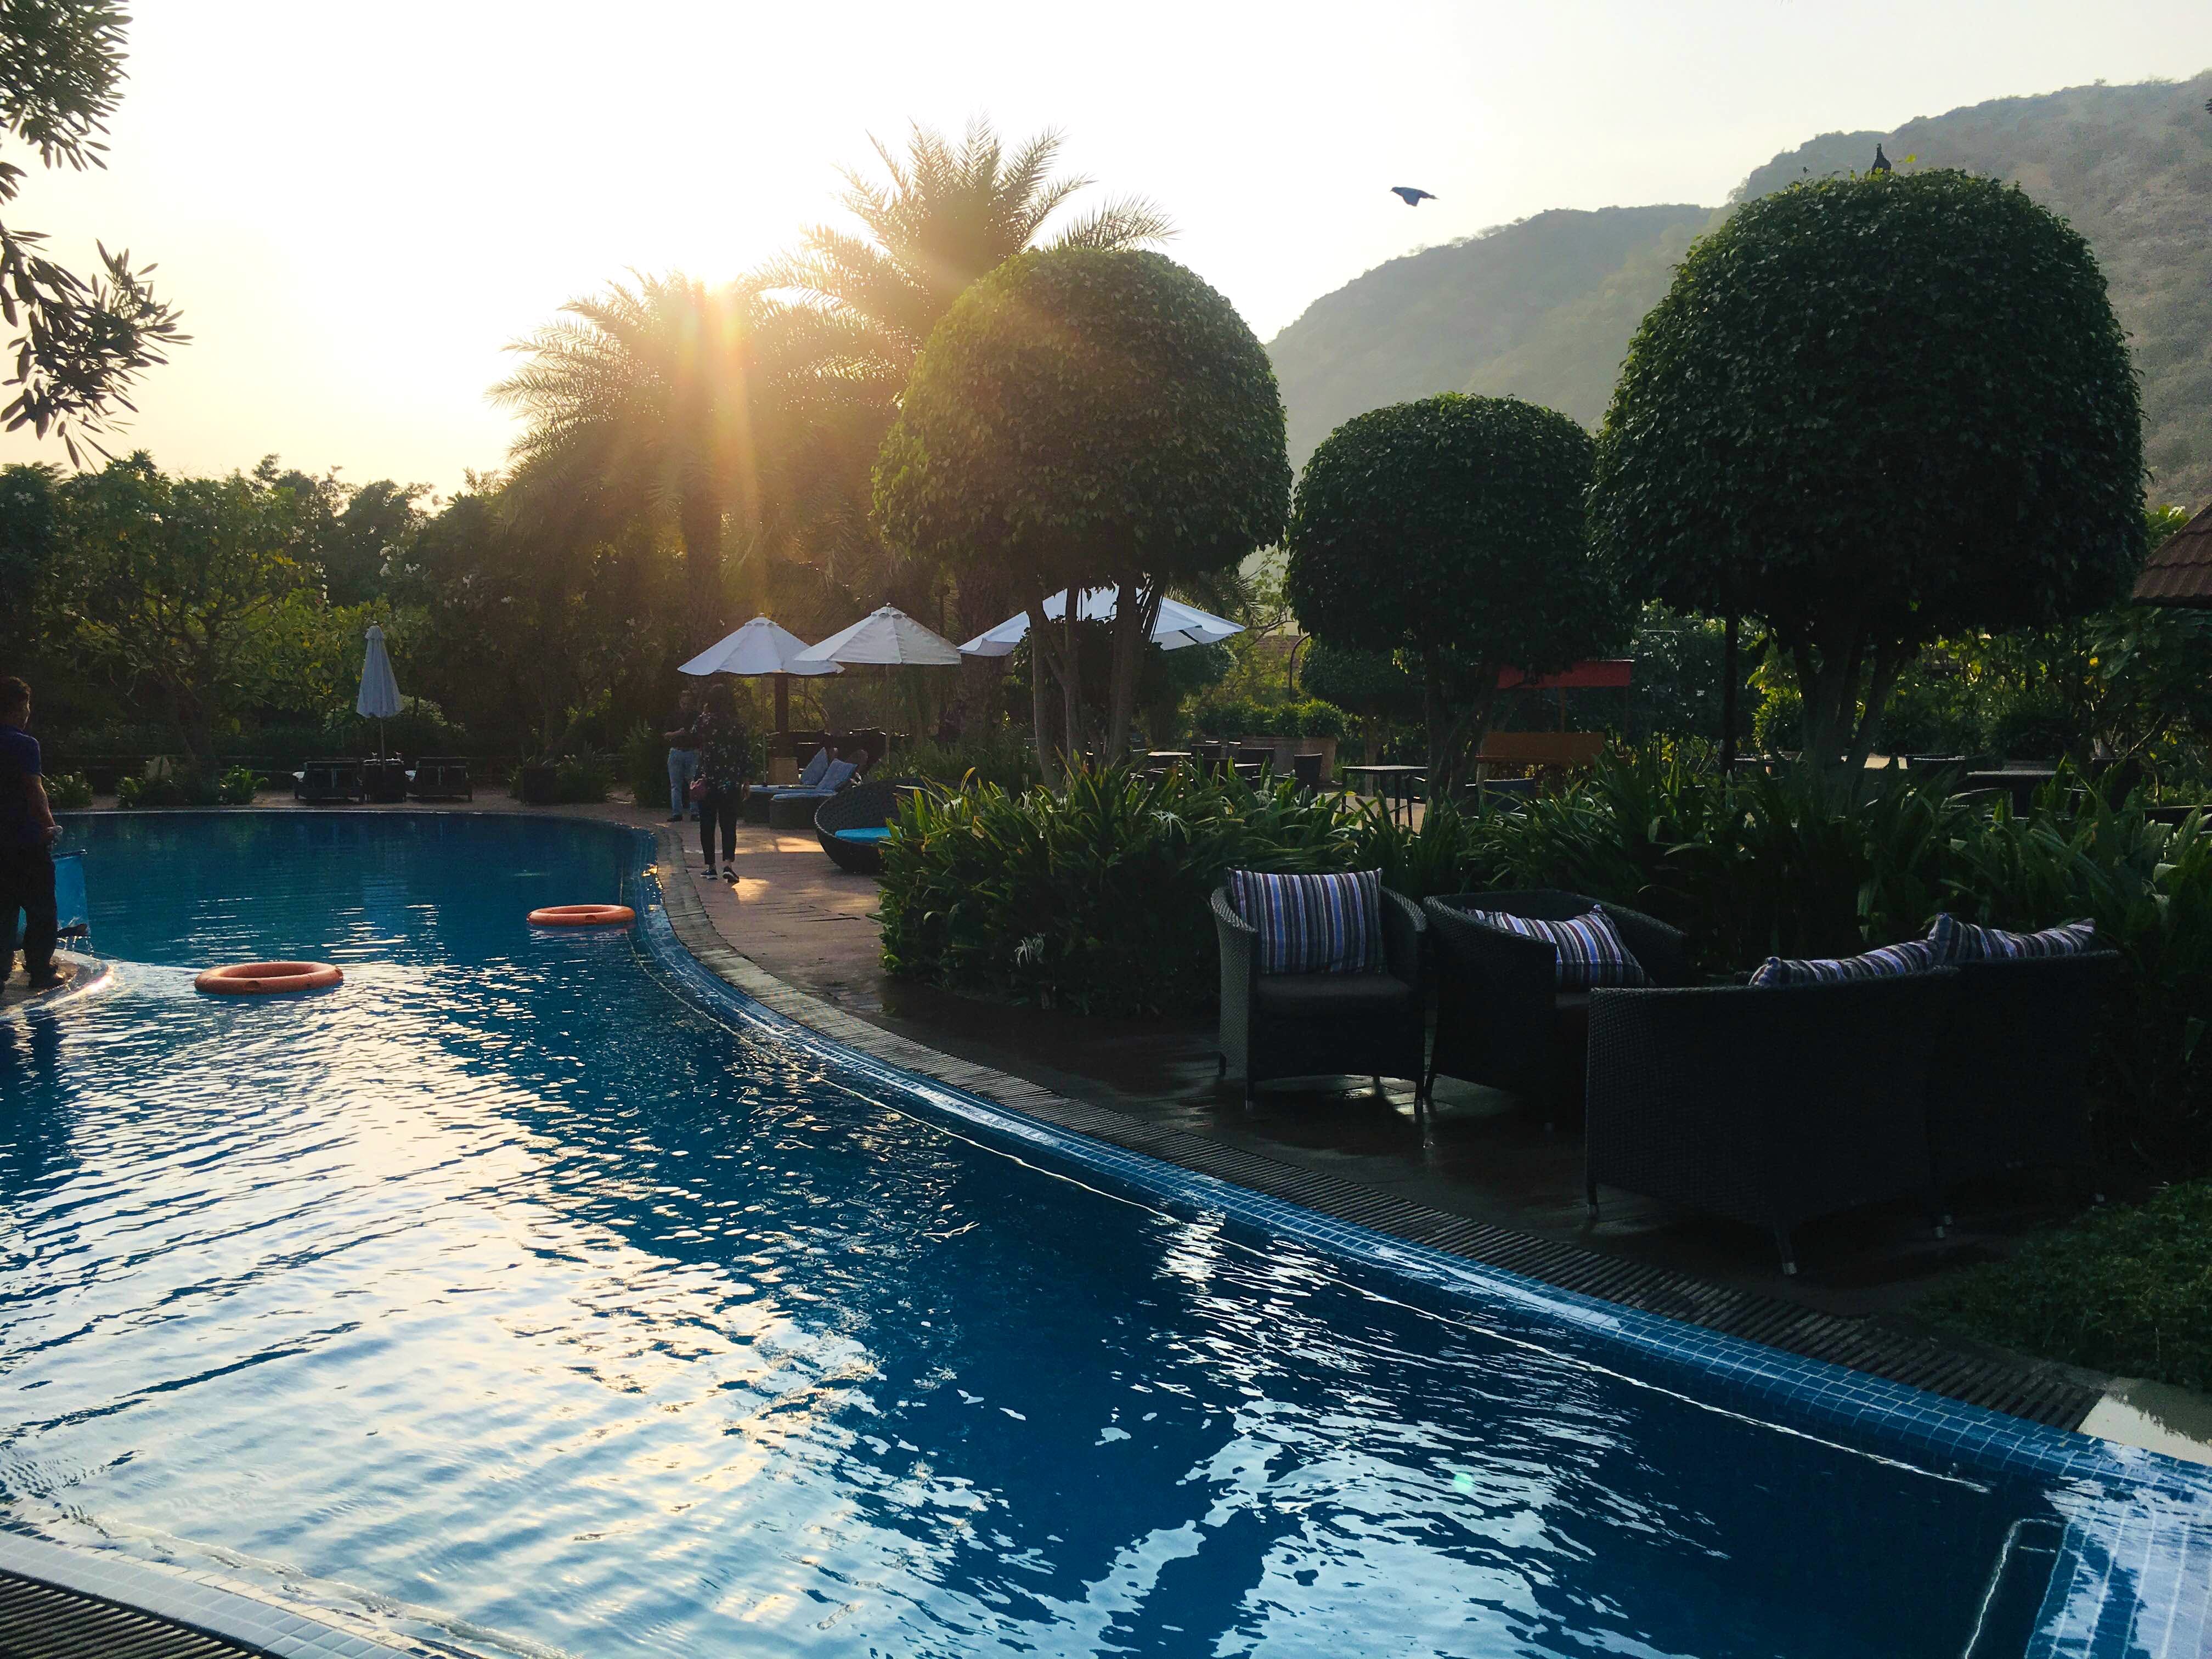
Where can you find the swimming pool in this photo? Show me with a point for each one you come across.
(533, 1293)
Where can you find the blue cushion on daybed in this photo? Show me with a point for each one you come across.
(881, 832)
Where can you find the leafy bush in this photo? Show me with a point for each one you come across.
(645, 763)
(1921, 719)
(2125, 1290)
(69, 791)
(578, 780)
(2034, 725)
(420, 728)
(1779, 727)
(236, 786)
(1003, 756)
(177, 787)
(1096, 900)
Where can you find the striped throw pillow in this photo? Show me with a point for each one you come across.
(1954, 941)
(1587, 948)
(1913, 957)
(1313, 924)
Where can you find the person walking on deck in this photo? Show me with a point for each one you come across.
(726, 749)
(683, 757)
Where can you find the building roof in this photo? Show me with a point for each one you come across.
(2180, 572)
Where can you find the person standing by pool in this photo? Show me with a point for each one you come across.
(683, 757)
(27, 834)
(726, 749)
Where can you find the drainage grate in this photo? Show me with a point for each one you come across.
(1996, 1381)
(41, 1621)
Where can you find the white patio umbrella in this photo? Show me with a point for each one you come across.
(761, 647)
(890, 639)
(1177, 626)
(380, 692)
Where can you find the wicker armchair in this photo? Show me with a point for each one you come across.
(844, 822)
(1501, 1017)
(2009, 1087)
(1280, 1025)
(1768, 1106)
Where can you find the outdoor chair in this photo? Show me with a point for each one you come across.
(1307, 770)
(791, 811)
(1284, 1025)
(854, 824)
(1502, 1018)
(444, 777)
(2010, 1080)
(1770, 1106)
(384, 780)
(324, 780)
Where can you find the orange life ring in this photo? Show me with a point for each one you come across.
(267, 978)
(583, 915)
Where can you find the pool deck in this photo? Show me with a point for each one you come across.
(800, 934)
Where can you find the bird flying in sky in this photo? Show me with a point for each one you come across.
(1409, 196)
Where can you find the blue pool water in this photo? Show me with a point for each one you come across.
(521, 1296)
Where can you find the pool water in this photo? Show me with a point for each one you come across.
(516, 1297)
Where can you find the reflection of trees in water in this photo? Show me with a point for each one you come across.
(34, 1129)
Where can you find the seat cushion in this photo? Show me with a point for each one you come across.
(811, 777)
(1913, 957)
(1953, 941)
(1587, 950)
(1330, 995)
(881, 832)
(1328, 924)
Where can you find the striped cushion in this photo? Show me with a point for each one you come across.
(1313, 924)
(1588, 949)
(1955, 941)
(1913, 957)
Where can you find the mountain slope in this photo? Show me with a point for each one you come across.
(1544, 309)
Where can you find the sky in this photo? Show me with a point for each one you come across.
(358, 206)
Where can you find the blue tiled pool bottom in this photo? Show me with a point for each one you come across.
(504, 1298)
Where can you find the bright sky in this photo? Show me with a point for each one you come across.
(358, 206)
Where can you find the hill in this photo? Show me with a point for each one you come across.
(1544, 307)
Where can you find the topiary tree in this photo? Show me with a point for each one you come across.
(1368, 683)
(1085, 417)
(1869, 412)
(1451, 531)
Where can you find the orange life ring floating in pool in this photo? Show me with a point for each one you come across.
(267, 978)
(583, 915)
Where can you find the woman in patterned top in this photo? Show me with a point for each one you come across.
(724, 756)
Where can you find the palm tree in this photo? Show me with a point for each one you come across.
(643, 402)
(947, 215)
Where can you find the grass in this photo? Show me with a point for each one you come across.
(2126, 1289)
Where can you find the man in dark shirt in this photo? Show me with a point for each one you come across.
(28, 834)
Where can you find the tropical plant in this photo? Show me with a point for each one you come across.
(1087, 418)
(1804, 434)
(1450, 531)
(85, 340)
(69, 791)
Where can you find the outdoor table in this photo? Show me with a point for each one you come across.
(2021, 782)
(1392, 784)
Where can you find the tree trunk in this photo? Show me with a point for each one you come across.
(1040, 704)
(1455, 730)
(706, 601)
(1136, 609)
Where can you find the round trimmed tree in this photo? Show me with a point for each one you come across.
(1871, 412)
(1451, 531)
(1083, 417)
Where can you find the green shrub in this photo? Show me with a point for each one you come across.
(1002, 756)
(177, 786)
(1925, 718)
(582, 778)
(1317, 718)
(2125, 1290)
(1779, 727)
(1096, 900)
(236, 786)
(645, 763)
(69, 791)
(419, 728)
(2034, 725)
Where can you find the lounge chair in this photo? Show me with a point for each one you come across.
(1768, 1106)
(2009, 1086)
(440, 778)
(324, 780)
(384, 780)
(1281, 1025)
(1502, 1018)
(792, 811)
(854, 824)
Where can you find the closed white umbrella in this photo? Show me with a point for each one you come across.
(380, 692)
(1177, 625)
(891, 639)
